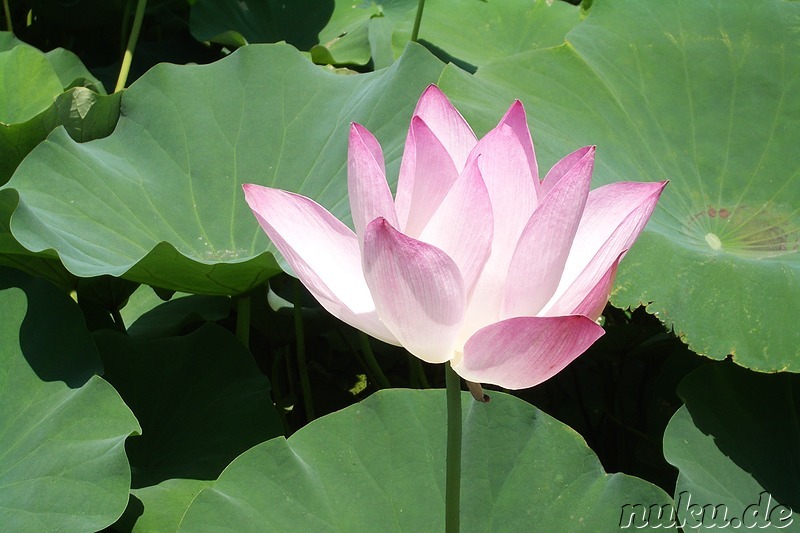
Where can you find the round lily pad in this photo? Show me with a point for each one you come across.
(380, 465)
(62, 438)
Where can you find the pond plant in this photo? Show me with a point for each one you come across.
(297, 266)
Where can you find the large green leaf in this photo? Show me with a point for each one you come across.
(737, 436)
(355, 31)
(150, 317)
(380, 29)
(14, 255)
(163, 505)
(159, 201)
(72, 72)
(238, 22)
(66, 65)
(62, 457)
(85, 114)
(200, 399)
(379, 465)
(488, 31)
(8, 41)
(33, 101)
(28, 84)
(702, 94)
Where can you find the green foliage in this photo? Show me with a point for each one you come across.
(174, 404)
(166, 206)
(62, 458)
(699, 94)
(355, 32)
(736, 437)
(40, 92)
(184, 390)
(380, 463)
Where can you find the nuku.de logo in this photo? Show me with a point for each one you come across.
(688, 515)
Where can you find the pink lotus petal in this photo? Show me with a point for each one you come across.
(462, 226)
(426, 174)
(369, 192)
(591, 300)
(418, 290)
(562, 167)
(323, 253)
(447, 124)
(614, 216)
(370, 142)
(545, 243)
(504, 166)
(522, 352)
(516, 119)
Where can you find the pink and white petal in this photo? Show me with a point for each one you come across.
(503, 163)
(521, 352)
(368, 190)
(462, 227)
(545, 243)
(322, 252)
(614, 216)
(516, 119)
(426, 174)
(586, 296)
(418, 291)
(562, 167)
(446, 123)
(370, 142)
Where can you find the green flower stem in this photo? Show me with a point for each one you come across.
(453, 475)
(372, 363)
(417, 21)
(302, 367)
(243, 319)
(134, 36)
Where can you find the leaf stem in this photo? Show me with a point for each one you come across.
(277, 392)
(417, 21)
(116, 316)
(134, 36)
(243, 319)
(372, 363)
(453, 465)
(302, 367)
(7, 9)
(419, 373)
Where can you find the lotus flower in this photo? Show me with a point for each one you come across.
(476, 260)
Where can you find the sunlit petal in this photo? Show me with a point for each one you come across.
(462, 226)
(426, 174)
(613, 218)
(503, 163)
(419, 292)
(562, 167)
(545, 243)
(524, 351)
(447, 124)
(322, 252)
(369, 192)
